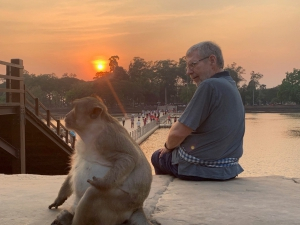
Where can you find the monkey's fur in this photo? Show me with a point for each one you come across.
(110, 175)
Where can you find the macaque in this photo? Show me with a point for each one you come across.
(109, 176)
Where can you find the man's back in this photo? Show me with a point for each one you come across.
(216, 114)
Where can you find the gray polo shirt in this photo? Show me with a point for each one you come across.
(216, 115)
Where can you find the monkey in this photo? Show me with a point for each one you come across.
(109, 176)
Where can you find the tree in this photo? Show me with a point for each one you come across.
(101, 74)
(253, 84)
(290, 88)
(166, 76)
(262, 94)
(138, 69)
(149, 82)
(63, 85)
(79, 90)
(113, 63)
(243, 93)
(142, 75)
(47, 84)
(271, 95)
(183, 78)
(120, 74)
(187, 92)
(71, 75)
(236, 73)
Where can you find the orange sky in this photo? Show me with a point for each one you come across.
(65, 36)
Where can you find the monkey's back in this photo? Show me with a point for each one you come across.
(138, 183)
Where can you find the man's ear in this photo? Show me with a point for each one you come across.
(96, 112)
(213, 59)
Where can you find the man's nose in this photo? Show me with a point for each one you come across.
(188, 72)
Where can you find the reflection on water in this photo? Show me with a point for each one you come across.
(271, 145)
(153, 143)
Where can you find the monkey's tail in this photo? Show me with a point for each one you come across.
(139, 218)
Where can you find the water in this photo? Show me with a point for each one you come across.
(271, 145)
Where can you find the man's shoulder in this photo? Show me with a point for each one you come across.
(220, 83)
(218, 80)
(212, 82)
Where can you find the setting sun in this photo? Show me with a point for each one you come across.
(99, 65)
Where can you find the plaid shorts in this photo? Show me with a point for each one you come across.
(226, 162)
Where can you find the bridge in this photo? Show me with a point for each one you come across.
(30, 142)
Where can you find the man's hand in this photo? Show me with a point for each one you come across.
(163, 151)
(177, 133)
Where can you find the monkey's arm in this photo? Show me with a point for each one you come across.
(116, 176)
(64, 192)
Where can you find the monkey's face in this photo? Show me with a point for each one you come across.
(86, 112)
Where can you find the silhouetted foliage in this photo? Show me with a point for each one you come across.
(147, 83)
(290, 88)
(236, 73)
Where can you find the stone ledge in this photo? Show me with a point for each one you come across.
(248, 201)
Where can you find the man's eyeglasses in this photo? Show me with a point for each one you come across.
(193, 64)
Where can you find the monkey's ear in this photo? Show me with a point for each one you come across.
(96, 112)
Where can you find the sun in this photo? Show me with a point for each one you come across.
(99, 65)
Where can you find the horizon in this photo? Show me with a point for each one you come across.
(69, 36)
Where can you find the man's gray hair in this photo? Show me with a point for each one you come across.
(208, 48)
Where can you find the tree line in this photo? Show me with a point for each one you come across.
(151, 83)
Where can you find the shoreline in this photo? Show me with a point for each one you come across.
(273, 109)
(61, 112)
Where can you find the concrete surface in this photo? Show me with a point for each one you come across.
(24, 200)
(247, 201)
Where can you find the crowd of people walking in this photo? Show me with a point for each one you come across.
(145, 117)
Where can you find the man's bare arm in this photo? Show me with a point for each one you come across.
(178, 132)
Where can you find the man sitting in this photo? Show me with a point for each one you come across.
(206, 142)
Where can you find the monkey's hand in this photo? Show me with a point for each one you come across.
(99, 183)
(58, 201)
